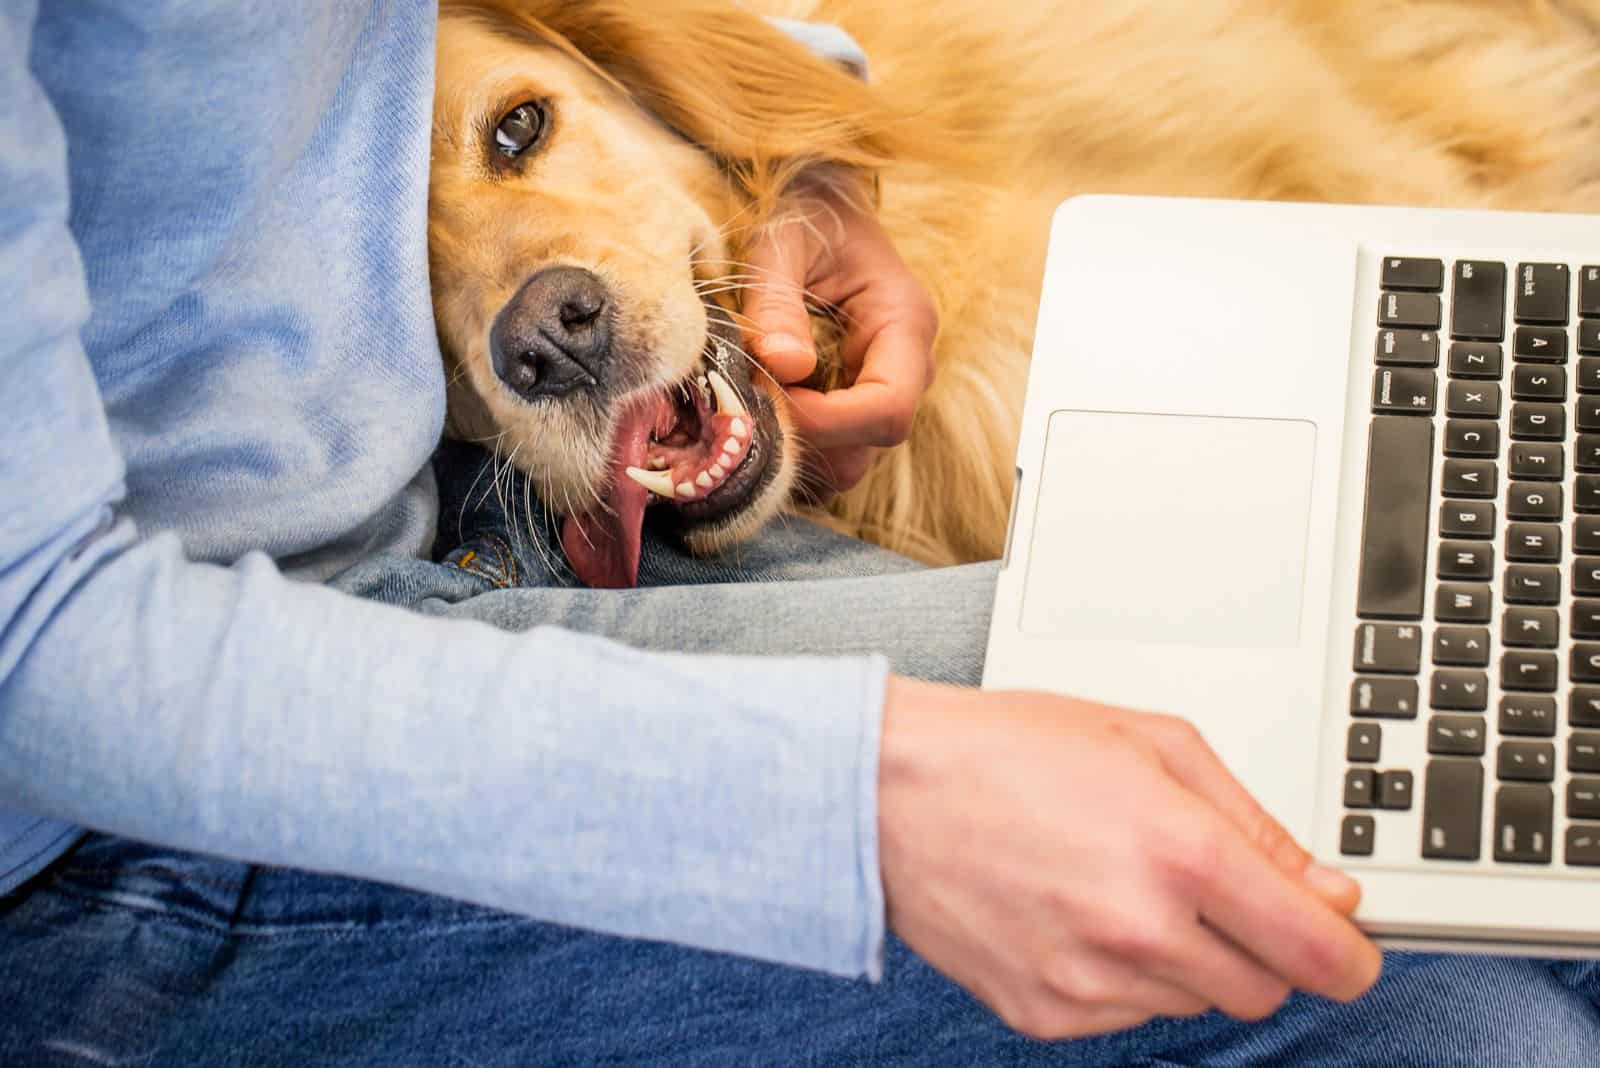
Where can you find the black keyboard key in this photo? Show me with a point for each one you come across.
(1452, 809)
(1478, 302)
(1588, 413)
(1540, 344)
(1474, 437)
(1583, 706)
(1586, 535)
(1394, 790)
(1529, 672)
(1530, 628)
(1585, 494)
(1408, 272)
(1403, 390)
(1522, 824)
(1543, 293)
(1583, 845)
(1538, 501)
(1587, 456)
(1589, 292)
(1394, 532)
(1586, 576)
(1388, 648)
(1475, 359)
(1470, 400)
(1389, 698)
(1538, 461)
(1456, 602)
(1584, 664)
(1461, 646)
(1536, 383)
(1583, 798)
(1520, 761)
(1535, 421)
(1469, 478)
(1461, 519)
(1589, 374)
(1583, 752)
(1454, 690)
(1532, 584)
(1356, 836)
(1469, 561)
(1585, 619)
(1533, 543)
(1419, 310)
(1415, 348)
(1589, 335)
(1363, 743)
(1360, 788)
(1456, 735)
(1528, 714)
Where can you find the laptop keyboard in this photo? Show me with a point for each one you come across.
(1479, 589)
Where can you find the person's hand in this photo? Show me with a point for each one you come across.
(825, 244)
(1082, 868)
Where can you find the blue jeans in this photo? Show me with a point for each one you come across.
(123, 953)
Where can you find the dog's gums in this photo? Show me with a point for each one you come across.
(695, 446)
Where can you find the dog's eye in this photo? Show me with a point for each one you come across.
(520, 129)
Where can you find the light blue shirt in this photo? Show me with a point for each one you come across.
(221, 385)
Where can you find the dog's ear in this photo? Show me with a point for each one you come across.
(761, 103)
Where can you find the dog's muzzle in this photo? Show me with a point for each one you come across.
(554, 335)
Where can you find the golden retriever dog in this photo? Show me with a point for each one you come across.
(600, 167)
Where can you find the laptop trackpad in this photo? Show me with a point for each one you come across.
(1171, 529)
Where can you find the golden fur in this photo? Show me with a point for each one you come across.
(980, 118)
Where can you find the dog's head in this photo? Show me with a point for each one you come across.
(596, 168)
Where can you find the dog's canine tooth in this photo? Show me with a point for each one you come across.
(728, 402)
(657, 482)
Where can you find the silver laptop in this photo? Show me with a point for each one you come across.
(1325, 481)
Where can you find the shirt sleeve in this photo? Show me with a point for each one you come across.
(723, 802)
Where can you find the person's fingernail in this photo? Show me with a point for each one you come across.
(784, 345)
(1329, 883)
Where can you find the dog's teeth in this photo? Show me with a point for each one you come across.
(686, 489)
(737, 427)
(717, 470)
(703, 480)
(731, 446)
(658, 463)
(657, 482)
(728, 402)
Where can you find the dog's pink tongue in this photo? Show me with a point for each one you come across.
(603, 545)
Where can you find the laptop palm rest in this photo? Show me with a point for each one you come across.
(1171, 529)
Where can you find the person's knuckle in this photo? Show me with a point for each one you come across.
(1194, 859)
(1139, 940)
(1078, 981)
(895, 425)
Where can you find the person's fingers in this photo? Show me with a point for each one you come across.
(1188, 758)
(1208, 967)
(776, 326)
(879, 406)
(1096, 979)
(1269, 914)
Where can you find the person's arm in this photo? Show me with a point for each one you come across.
(724, 802)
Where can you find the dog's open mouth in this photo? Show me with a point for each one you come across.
(696, 447)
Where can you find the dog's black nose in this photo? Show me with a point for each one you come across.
(554, 335)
